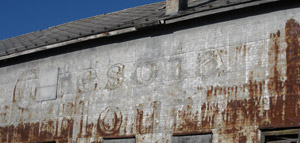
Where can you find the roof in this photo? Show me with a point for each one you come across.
(115, 23)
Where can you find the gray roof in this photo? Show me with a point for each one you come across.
(127, 20)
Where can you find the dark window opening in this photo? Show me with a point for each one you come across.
(121, 140)
(281, 136)
(203, 138)
(43, 142)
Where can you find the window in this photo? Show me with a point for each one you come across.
(281, 136)
(204, 138)
(44, 142)
(123, 140)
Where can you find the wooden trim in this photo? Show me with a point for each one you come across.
(298, 137)
(81, 39)
(215, 11)
(279, 132)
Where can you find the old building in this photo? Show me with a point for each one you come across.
(168, 72)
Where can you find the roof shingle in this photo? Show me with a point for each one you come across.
(137, 17)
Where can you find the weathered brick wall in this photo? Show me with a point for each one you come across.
(230, 78)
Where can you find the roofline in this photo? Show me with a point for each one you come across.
(166, 20)
(217, 10)
(81, 39)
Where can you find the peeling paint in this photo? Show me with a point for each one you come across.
(195, 101)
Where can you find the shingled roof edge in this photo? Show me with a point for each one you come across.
(182, 16)
(73, 41)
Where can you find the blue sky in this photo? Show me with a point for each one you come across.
(24, 16)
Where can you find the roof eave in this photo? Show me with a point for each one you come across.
(182, 16)
(73, 41)
(191, 15)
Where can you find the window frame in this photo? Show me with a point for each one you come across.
(278, 132)
(42, 142)
(184, 135)
(103, 140)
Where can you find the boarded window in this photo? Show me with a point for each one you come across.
(281, 136)
(206, 138)
(126, 140)
(48, 84)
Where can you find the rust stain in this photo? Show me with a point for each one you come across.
(56, 129)
(282, 104)
(109, 122)
(33, 132)
(255, 87)
(81, 126)
(284, 95)
(275, 84)
(242, 139)
(144, 122)
(292, 55)
(47, 129)
(139, 121)
(292, 30)
(67, 128)
(245, 50)
(79, 90)
(187, 120)
(125, 123)
(88, 128)
(96, 85)
(283, 99)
